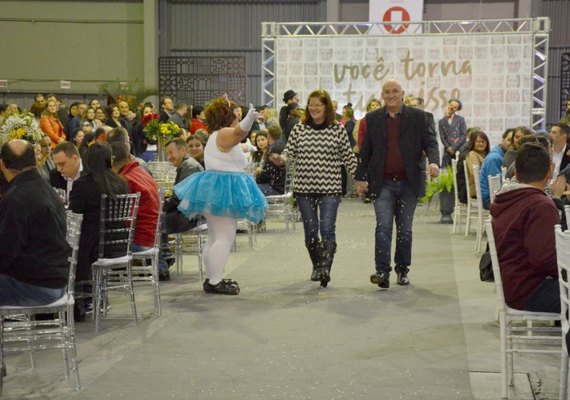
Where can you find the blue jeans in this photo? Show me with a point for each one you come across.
(267, 189)
(162, 264)
(396, 201)
(546, 297)
(16, 293)
(319, 214)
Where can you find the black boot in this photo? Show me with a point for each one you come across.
(315, 252)
(329, 249)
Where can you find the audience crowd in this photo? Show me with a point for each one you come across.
(89, 149)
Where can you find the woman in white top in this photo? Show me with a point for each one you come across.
(222, 193)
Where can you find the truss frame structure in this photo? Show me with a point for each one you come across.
(538, 28)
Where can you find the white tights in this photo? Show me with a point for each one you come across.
(221, 236)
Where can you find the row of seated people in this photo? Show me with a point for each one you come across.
(492, 162)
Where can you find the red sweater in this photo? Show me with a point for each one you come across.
(523, 224)
(140, 181)
(196, 124)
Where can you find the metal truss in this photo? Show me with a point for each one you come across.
(538, 27)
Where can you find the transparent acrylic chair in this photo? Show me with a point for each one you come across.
(24, 333)
(117, 225)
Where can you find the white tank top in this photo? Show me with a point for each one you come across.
(234, 160)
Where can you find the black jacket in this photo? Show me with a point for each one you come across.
(85, 198)
(33, 248)
(416, 138)
(270, 172)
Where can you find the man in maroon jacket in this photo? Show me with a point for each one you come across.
(523, 219)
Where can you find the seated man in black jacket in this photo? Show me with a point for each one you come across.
(34, 268)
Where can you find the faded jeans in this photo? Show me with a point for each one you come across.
(319, 215)
(16, 293)
(396, 202)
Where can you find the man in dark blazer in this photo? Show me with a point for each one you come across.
(559, 134)
(68, 167)
(392, 172)
(452, 131)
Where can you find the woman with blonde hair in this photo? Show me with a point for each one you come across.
(223, 193)
(50, 124)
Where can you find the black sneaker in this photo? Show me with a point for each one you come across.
(382, 280)
(225, 286)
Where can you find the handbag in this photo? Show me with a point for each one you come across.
(486, 268)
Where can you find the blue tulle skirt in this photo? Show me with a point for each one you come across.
(224, 194)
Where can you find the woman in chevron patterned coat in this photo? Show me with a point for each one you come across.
(318, 146)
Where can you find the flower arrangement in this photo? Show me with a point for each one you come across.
(21, 126)
(159, 131)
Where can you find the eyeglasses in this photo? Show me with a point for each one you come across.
(316, 105)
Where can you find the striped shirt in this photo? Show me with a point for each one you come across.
(318, 156)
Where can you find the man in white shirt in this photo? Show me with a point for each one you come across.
(68, 167)
(559, 134)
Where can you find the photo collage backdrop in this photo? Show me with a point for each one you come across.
(490, 74)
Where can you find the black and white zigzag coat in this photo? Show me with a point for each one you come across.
(318, 155)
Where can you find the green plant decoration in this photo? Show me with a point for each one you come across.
(444, 182)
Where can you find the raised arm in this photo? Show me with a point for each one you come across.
(230, 137)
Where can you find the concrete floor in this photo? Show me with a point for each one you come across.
(284, 337)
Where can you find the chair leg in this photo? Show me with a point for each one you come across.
(72, 348)
(456, 219)
(504, 372)
(96, 296)
(479, 234)
(64, 348)
(563, 376)
(250, 233)
(154, 262)
(178, 253)
(468, 222)
(1, 354)
(132, 291)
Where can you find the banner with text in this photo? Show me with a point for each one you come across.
(491, 75)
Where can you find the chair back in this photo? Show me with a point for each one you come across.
(73, 222)
(563, 261)
(117, 224)
(477, 179)
(454, 172)
(289, 177)
(164, 174)
(160, 218)
(494, 185)
(251, 169)
(466, 171)
(496, 267)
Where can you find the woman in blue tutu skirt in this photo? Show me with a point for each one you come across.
(223, 193)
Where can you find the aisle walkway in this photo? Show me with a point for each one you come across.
(285, 338)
